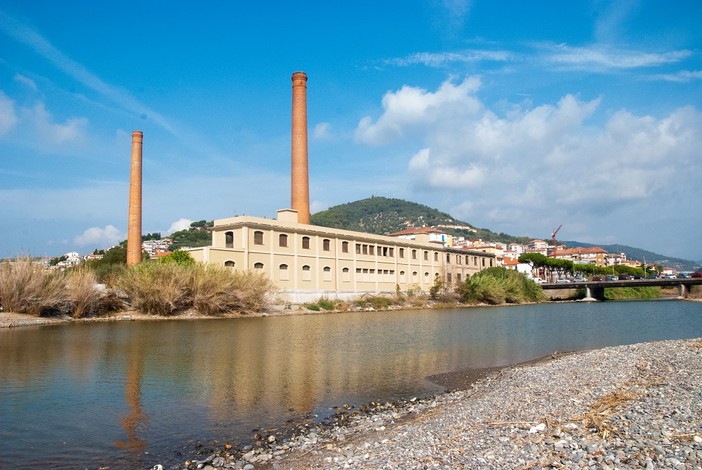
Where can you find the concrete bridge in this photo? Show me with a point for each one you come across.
(594, 290)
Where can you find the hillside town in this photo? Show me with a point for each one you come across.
(506, 254)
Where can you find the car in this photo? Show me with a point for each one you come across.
(579, 279)
(562, 281)
(625, 277)
(696, 275)
(653, 276)
(597, 278)
(538, 280)
(684, 276)
(611, 277)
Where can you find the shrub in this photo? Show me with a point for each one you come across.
(157, 288)
(496, 286)
(83, 293)
(178, 257)
(27, 287)
(217, 290)
(169, 288)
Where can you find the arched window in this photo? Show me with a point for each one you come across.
(344, 247)
(326, 273)
(283, 272)
(448, 258)
(306, 273)
(258, 237)
(326, 244)
(230, 264)
(414, 254)
(426, 256)
(402, 252)
(346, 275)
(402, 277)
(282, 240)
(258, 265)
(229, 239)
(415, 276)
(306, 243)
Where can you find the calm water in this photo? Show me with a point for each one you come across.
(132, 394)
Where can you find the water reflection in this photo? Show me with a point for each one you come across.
(137, 418)
(133, 394)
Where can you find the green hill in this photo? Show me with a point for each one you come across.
(382, 216)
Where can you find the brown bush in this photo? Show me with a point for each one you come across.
(217, 290)
(83, 292)
(28, 287)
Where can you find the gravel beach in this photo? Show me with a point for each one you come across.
(635, 406)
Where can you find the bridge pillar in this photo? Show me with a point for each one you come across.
(588, 295)
(682, 290)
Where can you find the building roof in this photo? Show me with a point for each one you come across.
(580, 251)
(415, 231)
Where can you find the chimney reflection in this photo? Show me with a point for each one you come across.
(136, 418)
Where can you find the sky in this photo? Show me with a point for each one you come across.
(513, 116)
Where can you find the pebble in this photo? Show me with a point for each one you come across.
(634, 406)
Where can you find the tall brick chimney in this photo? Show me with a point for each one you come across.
(300, 189)
(134, 221)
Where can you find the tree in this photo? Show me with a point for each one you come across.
(179, 257)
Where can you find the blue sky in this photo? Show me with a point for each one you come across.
(513, 116)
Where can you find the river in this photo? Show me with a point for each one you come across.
(133, 394)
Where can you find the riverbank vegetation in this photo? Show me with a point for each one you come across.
(168, 287)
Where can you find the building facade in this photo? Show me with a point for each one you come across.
(306, 262)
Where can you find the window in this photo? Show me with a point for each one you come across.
(258, 237)
(326, 244)
(345, 274)
(344, 247)
(306, 273)
(426, 256)
(490, 262)
(483, 260)
(458, 278)
(448, 258)
(448, 278)
(415, 277)
(402, 276)
(229, 239)
(258, 266)
(358, 248)
(414, 254)
(365, 249)
(385, 250)
(402, 252)
(306, 243)
(282, 240)
(283, 272)
(230, 264)
(326, 273)
(371, 250)
(436, 256)
(392, 252)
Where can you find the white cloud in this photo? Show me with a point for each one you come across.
(8, 117)
(411, 109)
(49, 133)
(26, 81)
(99, 237)
(683, 76)
(440, 59)
(180, 224)
(602, 58)
(322, 131)
(539, 166)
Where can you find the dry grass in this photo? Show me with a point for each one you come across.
(83, 292)
(27, 287)
(168, 289)
(602, 410)
(217, 290)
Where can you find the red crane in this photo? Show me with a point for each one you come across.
(553, 238)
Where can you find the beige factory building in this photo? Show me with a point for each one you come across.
(306, 262)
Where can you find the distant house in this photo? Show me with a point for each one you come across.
(592, 255)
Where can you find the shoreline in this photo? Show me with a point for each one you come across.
(617, 407)
(17, 320)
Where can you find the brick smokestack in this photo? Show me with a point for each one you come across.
(134, 221)
(300, 188)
